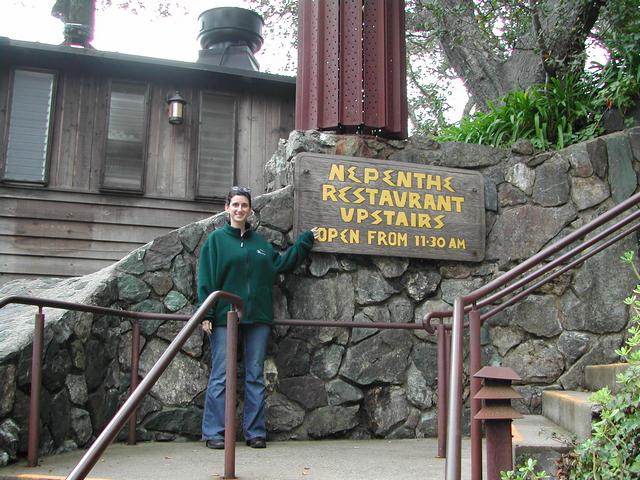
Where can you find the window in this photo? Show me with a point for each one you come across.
(126, 137)
(216, 145)
(30, 118)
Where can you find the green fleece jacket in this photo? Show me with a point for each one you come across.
(247, 266)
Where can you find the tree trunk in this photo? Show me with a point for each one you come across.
(556, 38)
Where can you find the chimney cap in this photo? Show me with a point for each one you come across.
(230, 24)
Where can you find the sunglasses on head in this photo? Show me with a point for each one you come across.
(241, 189)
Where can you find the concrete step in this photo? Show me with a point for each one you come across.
(571, 410)
(537, 437)
(600, 376)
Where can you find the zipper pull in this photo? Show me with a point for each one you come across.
(241, 243)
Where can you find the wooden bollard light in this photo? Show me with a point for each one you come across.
(497, 413)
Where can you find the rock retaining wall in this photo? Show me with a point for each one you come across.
(337, 382)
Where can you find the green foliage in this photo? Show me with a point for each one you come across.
(551, 116)
(524, 472)
(568, 110)
(613, 450)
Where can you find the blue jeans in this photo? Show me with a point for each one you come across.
(254, 338)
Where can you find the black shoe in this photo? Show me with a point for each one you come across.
(257, 442)
(215, 444)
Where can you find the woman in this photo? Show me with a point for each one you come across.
(238, 260)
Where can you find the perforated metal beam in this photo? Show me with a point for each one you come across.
(352, 67)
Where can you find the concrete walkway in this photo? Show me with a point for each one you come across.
(292, 460)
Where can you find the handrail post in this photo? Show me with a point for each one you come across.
(454, 412)
(475, 384)
(230, 396)
(442, 390)
(135, 363)
(36, 381)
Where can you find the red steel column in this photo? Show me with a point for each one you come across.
(475, 384)
(230, 396)
(36, 381)
(442, 390)
(135, 362)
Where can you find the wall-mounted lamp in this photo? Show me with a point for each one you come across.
(176, 104)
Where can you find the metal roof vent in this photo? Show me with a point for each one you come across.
(229, 36)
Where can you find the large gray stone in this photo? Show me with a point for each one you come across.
(191, 375)
(597, 150)
(149, 326)
(387, 407)
(55, 366)
(162, 251)
(335, 297)
(551, 187)
(326, 361)
(454, 288)
(308, 391)
(521, 176)
(101, 406)
(573, 344)
(174, 301)
(282, 414)
(371, 287)
(418, 393)
(421, 313)
(588, 192)
(293, 358)
(190, 236)
(595, 302)
(425, 358)
(9, 438)
(124, 349)
(579, 159)
(7, 388)
(382, 358)
(505, 338)
(453, 154)
(77, 388)
(536, 314)
(535, 361)
(331, 420)
(421, 283)
(602, 351)
(322, 263)
(193, 346)
(340, 392)
(634, 141)
(400, 309)
(391, 267)
(132, 289)
(622, 177)
(508, 196)
(60, 420)
(182, 273)
(371, 314)
(160, 281)
(512, 239)
(80, 426)
(184, 421)
(133, 263)
(278, 212)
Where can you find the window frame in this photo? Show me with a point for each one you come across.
(7, 126)
(140, 189)
(234, 162)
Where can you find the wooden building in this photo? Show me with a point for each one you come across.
(91, 168)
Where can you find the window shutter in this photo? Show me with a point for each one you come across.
(124, 164)
(216, 145)
(29, 126)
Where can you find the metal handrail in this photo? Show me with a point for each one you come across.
(472, 302)
(38, 342)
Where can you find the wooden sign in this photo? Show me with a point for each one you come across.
(378, 207)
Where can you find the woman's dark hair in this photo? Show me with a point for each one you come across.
(236, 190)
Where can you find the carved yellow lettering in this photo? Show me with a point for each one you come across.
(404, 179)
(444, 203)
(389, 215)
(372, 192)
(362, 215)
(400, 198)
(328, 192)
(419, 179)
(439, 223)
(358, 194)
(424, 220)
(336, 172)
(352, 174)
(377, 219)
(429, 202)
(370, 175)
(387, 178)
(433, 181)
(458, 201)
(332, 233)
(342, 194)
(401, 219)
(447, 184)
(346, 214)
(414, 200)
(370, 236)
(385, 198)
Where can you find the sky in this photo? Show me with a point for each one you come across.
(118, 30)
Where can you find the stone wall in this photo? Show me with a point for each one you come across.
(337, 382)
